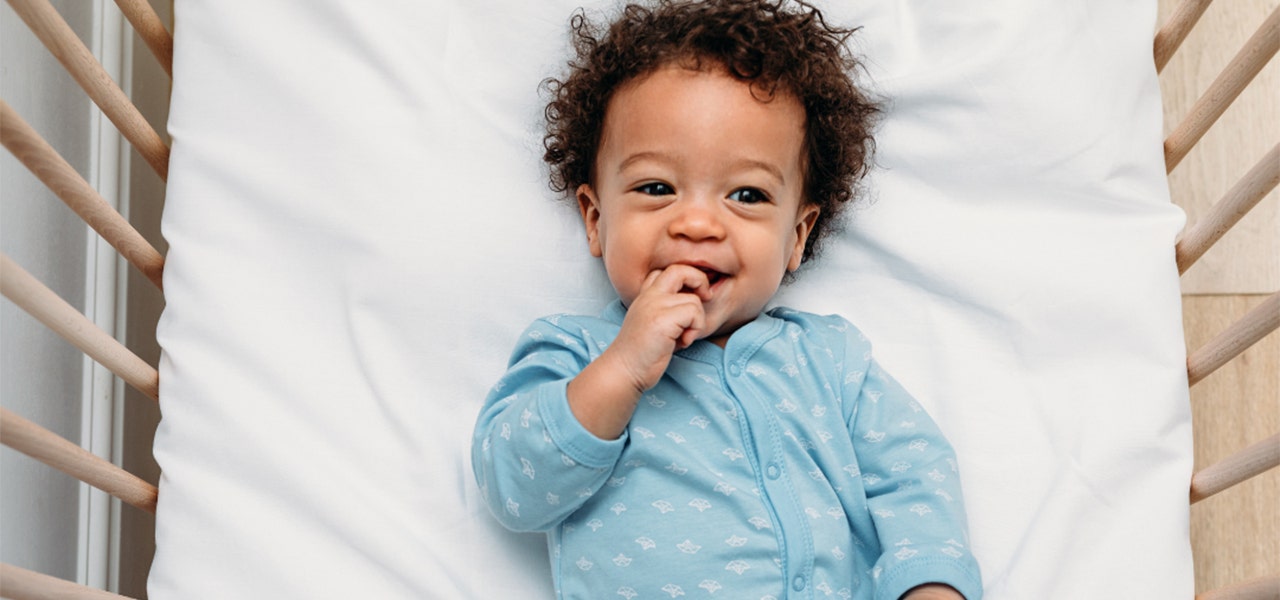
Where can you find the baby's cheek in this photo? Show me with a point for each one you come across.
(625, 284)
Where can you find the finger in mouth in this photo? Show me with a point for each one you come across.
(713, 276)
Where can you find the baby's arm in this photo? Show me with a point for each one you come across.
(913, 494)
(533, 461)
(666, 316)
(552, 429)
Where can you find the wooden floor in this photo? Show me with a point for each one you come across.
(1236, 534)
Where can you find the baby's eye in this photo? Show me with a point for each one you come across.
(656, 189)
(749, 196)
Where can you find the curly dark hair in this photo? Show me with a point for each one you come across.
(762, 42)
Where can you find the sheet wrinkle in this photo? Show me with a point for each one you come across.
(362, 359)
(946, 290)
(373, 51)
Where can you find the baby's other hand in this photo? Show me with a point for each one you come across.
(933, 591)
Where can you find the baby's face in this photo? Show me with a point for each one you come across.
(692, 169)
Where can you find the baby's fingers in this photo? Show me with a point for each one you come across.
(694, 328)
(689, 336)
(684, 279)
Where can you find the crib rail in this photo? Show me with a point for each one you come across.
(1232, 341)
(57, 36)
(151, 29)
(1237, 338)
(1236, 468)
(25, 291)
(59, 176)
(1246, 65)
(21, 584)
(1175, 30)
(43, 304)
(1228, 211)
(47, 447)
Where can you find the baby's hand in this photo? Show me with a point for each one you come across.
(665, 317)
(933, 591)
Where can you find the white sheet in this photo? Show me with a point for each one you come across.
(359, 227)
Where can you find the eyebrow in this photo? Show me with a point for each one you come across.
(639, 156)
(767, 167)
(749, 163)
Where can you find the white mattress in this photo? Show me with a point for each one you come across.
(359, 227)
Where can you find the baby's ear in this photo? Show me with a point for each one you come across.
(805, 220)
(589, 207)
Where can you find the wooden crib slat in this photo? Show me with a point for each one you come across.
(1265, 588)
(20, 584)
(147, 23)
(1175, 30)
(42, 303)
(1242, 197)
(1237, 338)
(1238, 467)
(58, 37)
(61, 178)
(1223, 91)
(51, 449)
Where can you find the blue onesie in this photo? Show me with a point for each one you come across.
(786, 465)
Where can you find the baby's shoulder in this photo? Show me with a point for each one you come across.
(827, 327)
(832, 332)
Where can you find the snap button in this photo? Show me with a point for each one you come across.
(797, 584)
(735, 370)
(773, 471)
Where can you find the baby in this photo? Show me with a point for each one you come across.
(688, 442)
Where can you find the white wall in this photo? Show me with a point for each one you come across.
(49, 522)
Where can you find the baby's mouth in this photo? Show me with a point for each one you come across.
(713, 276)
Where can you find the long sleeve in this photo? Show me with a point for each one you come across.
(913, 490)
(534, 463)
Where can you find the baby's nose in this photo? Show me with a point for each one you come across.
(697, 221)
